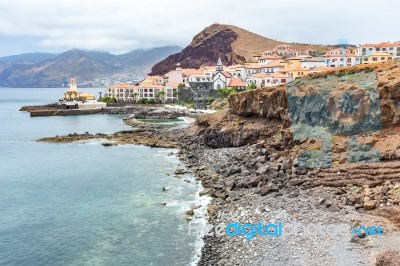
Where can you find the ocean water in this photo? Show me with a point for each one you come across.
(82, 203)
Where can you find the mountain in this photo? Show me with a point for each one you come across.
(54, 70)
(27, 58)
(233, 44)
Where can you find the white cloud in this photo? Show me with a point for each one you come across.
(120, 26)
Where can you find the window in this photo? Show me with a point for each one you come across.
(366, 59)
(378, 49)
(382, 58)
(383, 49)
(391, 48)
(389, 58)
(348, 60)
(374, 59)
(398, 54)
(370, 49)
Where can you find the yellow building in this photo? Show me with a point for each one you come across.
(377, 58)
(72, 94)
(297, 72)
(293, 62)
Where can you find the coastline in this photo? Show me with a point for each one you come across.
(255, 182)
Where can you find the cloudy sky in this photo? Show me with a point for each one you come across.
(119, 26)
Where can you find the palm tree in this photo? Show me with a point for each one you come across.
(134, 96)
(160, 95)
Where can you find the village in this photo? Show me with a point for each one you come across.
(280, 65)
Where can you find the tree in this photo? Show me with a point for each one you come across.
(251, 86)
(161, 95)
(229, 90)
(181, 85)
(220, 92)
(134, 96)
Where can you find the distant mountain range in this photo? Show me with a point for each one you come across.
(55, 70)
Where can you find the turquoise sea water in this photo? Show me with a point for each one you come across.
(82, 203)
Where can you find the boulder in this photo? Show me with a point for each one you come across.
(370, 205)
(180, 171)
(296, 181)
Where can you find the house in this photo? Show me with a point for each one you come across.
(288, 51)
(200, 82)
(257, 79)
(312, 63)
(238, 84)
(277, 79)
(123, 92)
(377, 58)
(296, 72)
(342, 60)
(253, 68)
(266, 59)
(385, 47)
(272, 67)
(147, 89)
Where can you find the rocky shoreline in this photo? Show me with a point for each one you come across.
(261, 181)
(248, 191)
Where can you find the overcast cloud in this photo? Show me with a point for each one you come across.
(120, 26)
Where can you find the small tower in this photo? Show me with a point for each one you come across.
(178, 67)
(72, 85)
(220, 67)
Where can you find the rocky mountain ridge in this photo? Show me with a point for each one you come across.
(233, 44)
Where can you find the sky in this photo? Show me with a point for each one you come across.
(120, 26)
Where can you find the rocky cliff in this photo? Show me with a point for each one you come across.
(273, 102)
(233, 44)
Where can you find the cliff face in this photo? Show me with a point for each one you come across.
(205, 49)
(234, 45)
(320, 97)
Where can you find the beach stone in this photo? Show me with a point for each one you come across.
(221, 194)
(204, 191)
(260, 159)
(254, 180)
(263, 169)
(190, 212)
(264, 190)
(370, 205)
(296, 181)
(180, 171)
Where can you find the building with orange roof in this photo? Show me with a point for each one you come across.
(149, 88)
(384, 47)
(266, 59)
(278, 78)
(288, 51)
(377, 58)
(237, 83)
(296, 72)
(273, 66)
(257, 79)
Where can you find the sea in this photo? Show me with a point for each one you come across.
(85, 204)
